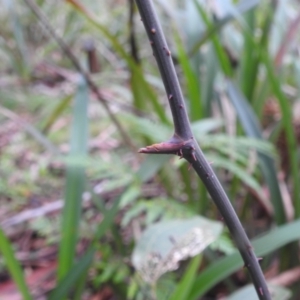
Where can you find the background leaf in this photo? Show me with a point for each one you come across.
(248, 293)
(164, 244)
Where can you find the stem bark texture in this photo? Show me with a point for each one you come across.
(184, 145)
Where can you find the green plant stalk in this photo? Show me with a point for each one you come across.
(258, 103)
(188, 189)
(248, 58)
(220, 52)
(13, 266)
(184, 287)
(289, 131)
(251, 126)
(183, 144)
(211, 65)
(266, 163)
(191, 79)
(224, 64)
(80, 268)
(71, 218)
(241, 7)
(263, 57)
(75, 181)
(203, 204)
(80, 284)
(72, 277)
(253, 58)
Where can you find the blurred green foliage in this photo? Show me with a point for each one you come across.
(238, 64)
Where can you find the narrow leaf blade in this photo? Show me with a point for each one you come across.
(13, 266)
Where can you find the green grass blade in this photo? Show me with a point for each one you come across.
(211, 65)
(138, 74)
(226, 266)
(245, 112)
(242, 7)
(108, 220)
(13, 266)
(184, 287)
(249, 60)
(194, 102)
(75, 182)
(261, 95)
(72, 277)
(137, 92)
(81, 282)
(288, 126)
(192, 84)
(240, 173)
(77, 272)
(143, 93)
(21, 60)
(252, 129)
(58, 110)
(220, 52)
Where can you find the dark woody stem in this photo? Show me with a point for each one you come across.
(184, 145)
(166, 68)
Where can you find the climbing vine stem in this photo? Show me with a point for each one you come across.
(183, 144)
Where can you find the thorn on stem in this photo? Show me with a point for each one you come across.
(170, 97)
(153, 30)
(181, 154)
(250, 248)
(167, 51)
(194, 156)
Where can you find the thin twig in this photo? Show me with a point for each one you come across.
(68, 52)
(184, 145)
(35, 133)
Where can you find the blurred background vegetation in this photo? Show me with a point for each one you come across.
(83, 215)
